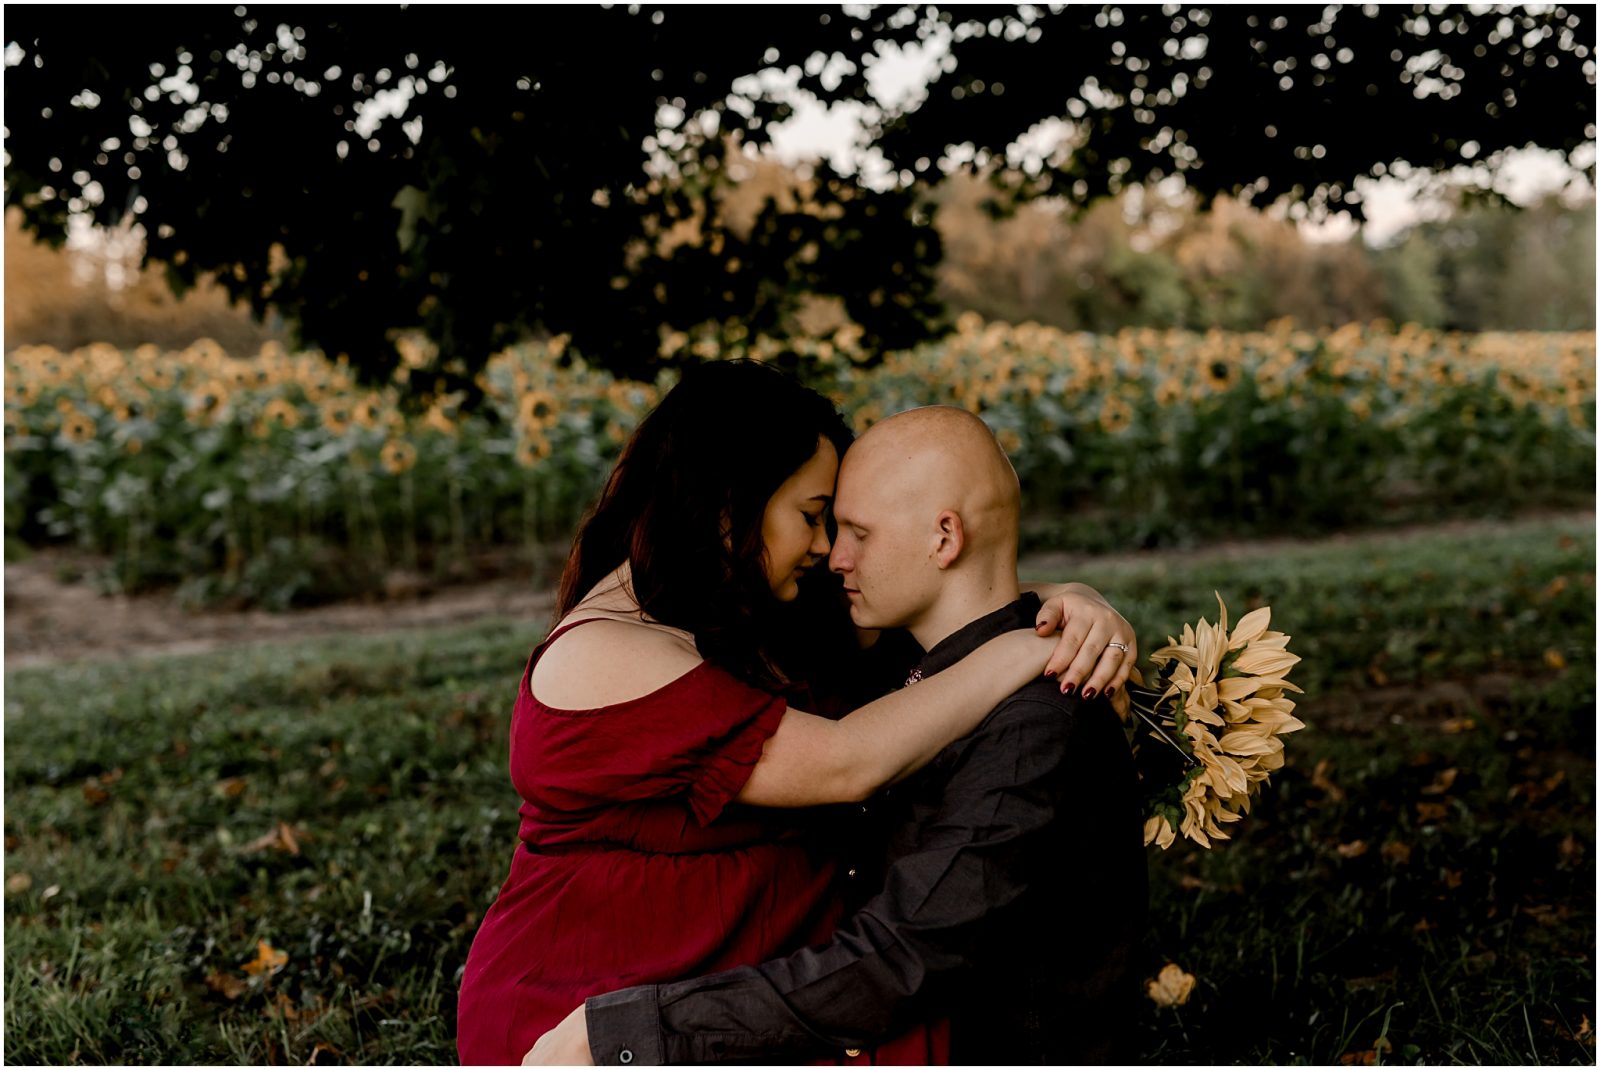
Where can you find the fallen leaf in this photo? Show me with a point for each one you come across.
(1536, 791)
(1397, 852)
(18, 883)
(1353, 849)
(1556, 586)
(1171, 987)
(1432, 811)
(268, 960)
(1554, 659)
(282, 838)
(1452, 878)
(1571, 850)
(227, 984)
(1585, 1032)
(1321, 779)
(1356, 984)
(323, 1046)
(1441, 782)
(1544, 913)
(94, 794)
(1456, 725)
(1359, 1058)
(1379, 677)
(231, 787)
(1423, 925)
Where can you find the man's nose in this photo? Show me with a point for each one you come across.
(838, 560)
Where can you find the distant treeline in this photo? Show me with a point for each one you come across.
(1133, 261)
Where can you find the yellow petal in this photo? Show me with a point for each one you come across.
(1222, 614)
(1250, 627)
(1238, 742)
(1258, 662)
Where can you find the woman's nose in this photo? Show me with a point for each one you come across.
(820, 546)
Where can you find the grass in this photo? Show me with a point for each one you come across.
(348, 804)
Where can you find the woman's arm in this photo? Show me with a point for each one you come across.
(812, 760)
(1088, 624)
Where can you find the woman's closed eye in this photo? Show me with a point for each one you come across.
(813, 519)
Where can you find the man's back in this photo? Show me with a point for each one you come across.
(1053, 978)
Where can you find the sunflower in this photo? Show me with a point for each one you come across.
(397, 456)
(538, 409)
(365, 411)
(530, 451)
(1115, 415)
(281, 412)
(208, 403)
(77, 427)
(336, 415)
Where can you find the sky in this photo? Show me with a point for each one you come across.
(901, 76)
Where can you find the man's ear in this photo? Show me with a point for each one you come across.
(952, 538)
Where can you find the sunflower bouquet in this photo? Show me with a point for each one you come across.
(1206, 730)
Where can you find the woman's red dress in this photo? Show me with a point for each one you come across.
(636, 865)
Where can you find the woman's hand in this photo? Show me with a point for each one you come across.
(1084, 657)
(565, 1045)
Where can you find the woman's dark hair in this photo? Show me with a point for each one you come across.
(685, 505)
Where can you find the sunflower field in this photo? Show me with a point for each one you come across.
(274, 478)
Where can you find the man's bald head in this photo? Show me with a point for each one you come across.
(928, 460)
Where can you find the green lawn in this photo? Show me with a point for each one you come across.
(1421, 872)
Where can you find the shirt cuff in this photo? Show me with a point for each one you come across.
(625, 1027)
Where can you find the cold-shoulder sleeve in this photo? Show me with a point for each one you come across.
(698, 739)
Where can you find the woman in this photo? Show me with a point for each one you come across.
(658, 741)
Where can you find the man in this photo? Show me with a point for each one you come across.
(1014, 892)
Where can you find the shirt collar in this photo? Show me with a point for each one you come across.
(1023, 613)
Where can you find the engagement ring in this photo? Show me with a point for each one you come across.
(1120, 646)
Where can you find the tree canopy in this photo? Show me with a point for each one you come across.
(539, 168)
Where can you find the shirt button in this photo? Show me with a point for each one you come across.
(852, 1052)
(625, 1057)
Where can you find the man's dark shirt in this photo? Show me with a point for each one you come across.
(1012, 900)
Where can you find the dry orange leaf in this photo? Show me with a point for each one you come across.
(1359, 1058)
(1432, 811)
(1441, 782)
(1571, 850)
(1353, 849)
(231, 787)
(1321, 779)
(226, 983)
(1171, 987)
(1456, 725)
(1555, 659)
(282, 838)
(1397, 852)
(268, 960)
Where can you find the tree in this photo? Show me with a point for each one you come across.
(532, 167)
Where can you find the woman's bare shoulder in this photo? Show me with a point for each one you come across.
(609, 660)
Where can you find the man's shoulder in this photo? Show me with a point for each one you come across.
(1039, 718)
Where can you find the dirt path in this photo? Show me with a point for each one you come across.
(49, 621)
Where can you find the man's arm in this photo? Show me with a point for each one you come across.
(895, 961)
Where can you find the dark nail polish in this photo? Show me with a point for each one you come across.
(1088, 692)
(1049, 672)
(1067, 690)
